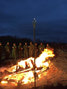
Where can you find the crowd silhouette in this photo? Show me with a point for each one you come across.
(20, 51)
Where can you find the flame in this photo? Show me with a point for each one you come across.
(27, 61)
(12, 69)
(26, 74)
(4, 82)
(28, 77)
(40, 60)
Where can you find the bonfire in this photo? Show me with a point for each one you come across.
(23, 72)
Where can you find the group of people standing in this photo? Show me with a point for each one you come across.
(25, 51)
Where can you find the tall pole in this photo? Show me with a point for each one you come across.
(34, 25)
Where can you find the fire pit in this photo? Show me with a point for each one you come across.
(23, 72)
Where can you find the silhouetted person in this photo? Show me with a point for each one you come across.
(41, 48)
(35, 50)
(47, 46)
(20, 50)
(14, 51)
(7, 50)
(25, 47)
(31, 50)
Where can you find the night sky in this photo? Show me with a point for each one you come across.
(16, 18)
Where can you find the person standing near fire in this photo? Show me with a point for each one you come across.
(7, 51)
(25, 48)
(31, 50)
(1, 50)
(14, 51)
(20, 50)
(47, 46)
(35, 50)
(41, 48)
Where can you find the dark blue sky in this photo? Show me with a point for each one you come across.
(16, 18)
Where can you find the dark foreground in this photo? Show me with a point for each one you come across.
(41, 87)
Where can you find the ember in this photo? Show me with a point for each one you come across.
(23, 72)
